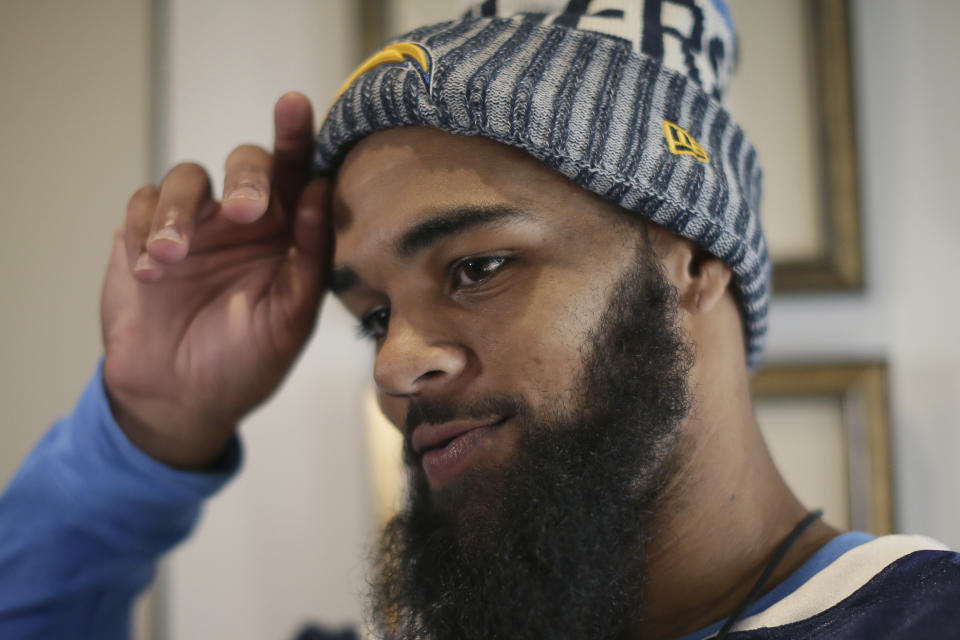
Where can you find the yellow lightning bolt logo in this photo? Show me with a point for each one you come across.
(399, 52)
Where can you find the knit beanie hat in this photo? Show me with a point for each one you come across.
(623, 97)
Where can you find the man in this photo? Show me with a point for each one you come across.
(549, 227)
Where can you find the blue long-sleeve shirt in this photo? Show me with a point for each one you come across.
(84, 520)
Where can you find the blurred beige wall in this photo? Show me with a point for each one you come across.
(285, 542)
(74, 126)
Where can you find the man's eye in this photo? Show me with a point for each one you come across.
(475, 271)
(374, 324)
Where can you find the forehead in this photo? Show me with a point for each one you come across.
(393, 178)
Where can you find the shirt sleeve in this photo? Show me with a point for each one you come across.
(84, 520)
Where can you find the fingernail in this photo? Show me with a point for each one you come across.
(246, 192)
(145, 263)
(168, 233)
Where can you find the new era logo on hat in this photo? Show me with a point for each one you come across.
(681, 142)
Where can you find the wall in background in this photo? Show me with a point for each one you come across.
(284, 543)
(74, 125)
(907, 93)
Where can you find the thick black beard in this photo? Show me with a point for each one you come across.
(553, 545)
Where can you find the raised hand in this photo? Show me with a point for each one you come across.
(206, 305)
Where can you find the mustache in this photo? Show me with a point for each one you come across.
(434, 411)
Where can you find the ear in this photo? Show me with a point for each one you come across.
(709, 279)
(700, 277)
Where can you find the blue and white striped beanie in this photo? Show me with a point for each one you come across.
(621, 96)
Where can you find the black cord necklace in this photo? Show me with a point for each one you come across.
(768, 571)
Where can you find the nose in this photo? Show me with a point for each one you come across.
(417, 359)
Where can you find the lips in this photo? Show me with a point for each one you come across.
(432, 436)
(448, 448)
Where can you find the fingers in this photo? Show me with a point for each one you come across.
(184, 200)
(161, 227)
(140, 211)
(302, 279)
(251, 172)
(161, 222)
(311, 229)
(246, 188)
(292, 147)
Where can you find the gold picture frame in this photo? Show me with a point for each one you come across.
(840, 265)
(794, 97)
(858, 394)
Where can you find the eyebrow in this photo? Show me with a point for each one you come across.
(343, 279)
(451, 222)
(429, 232)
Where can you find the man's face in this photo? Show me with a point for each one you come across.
(527, 348)
(504, 270)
